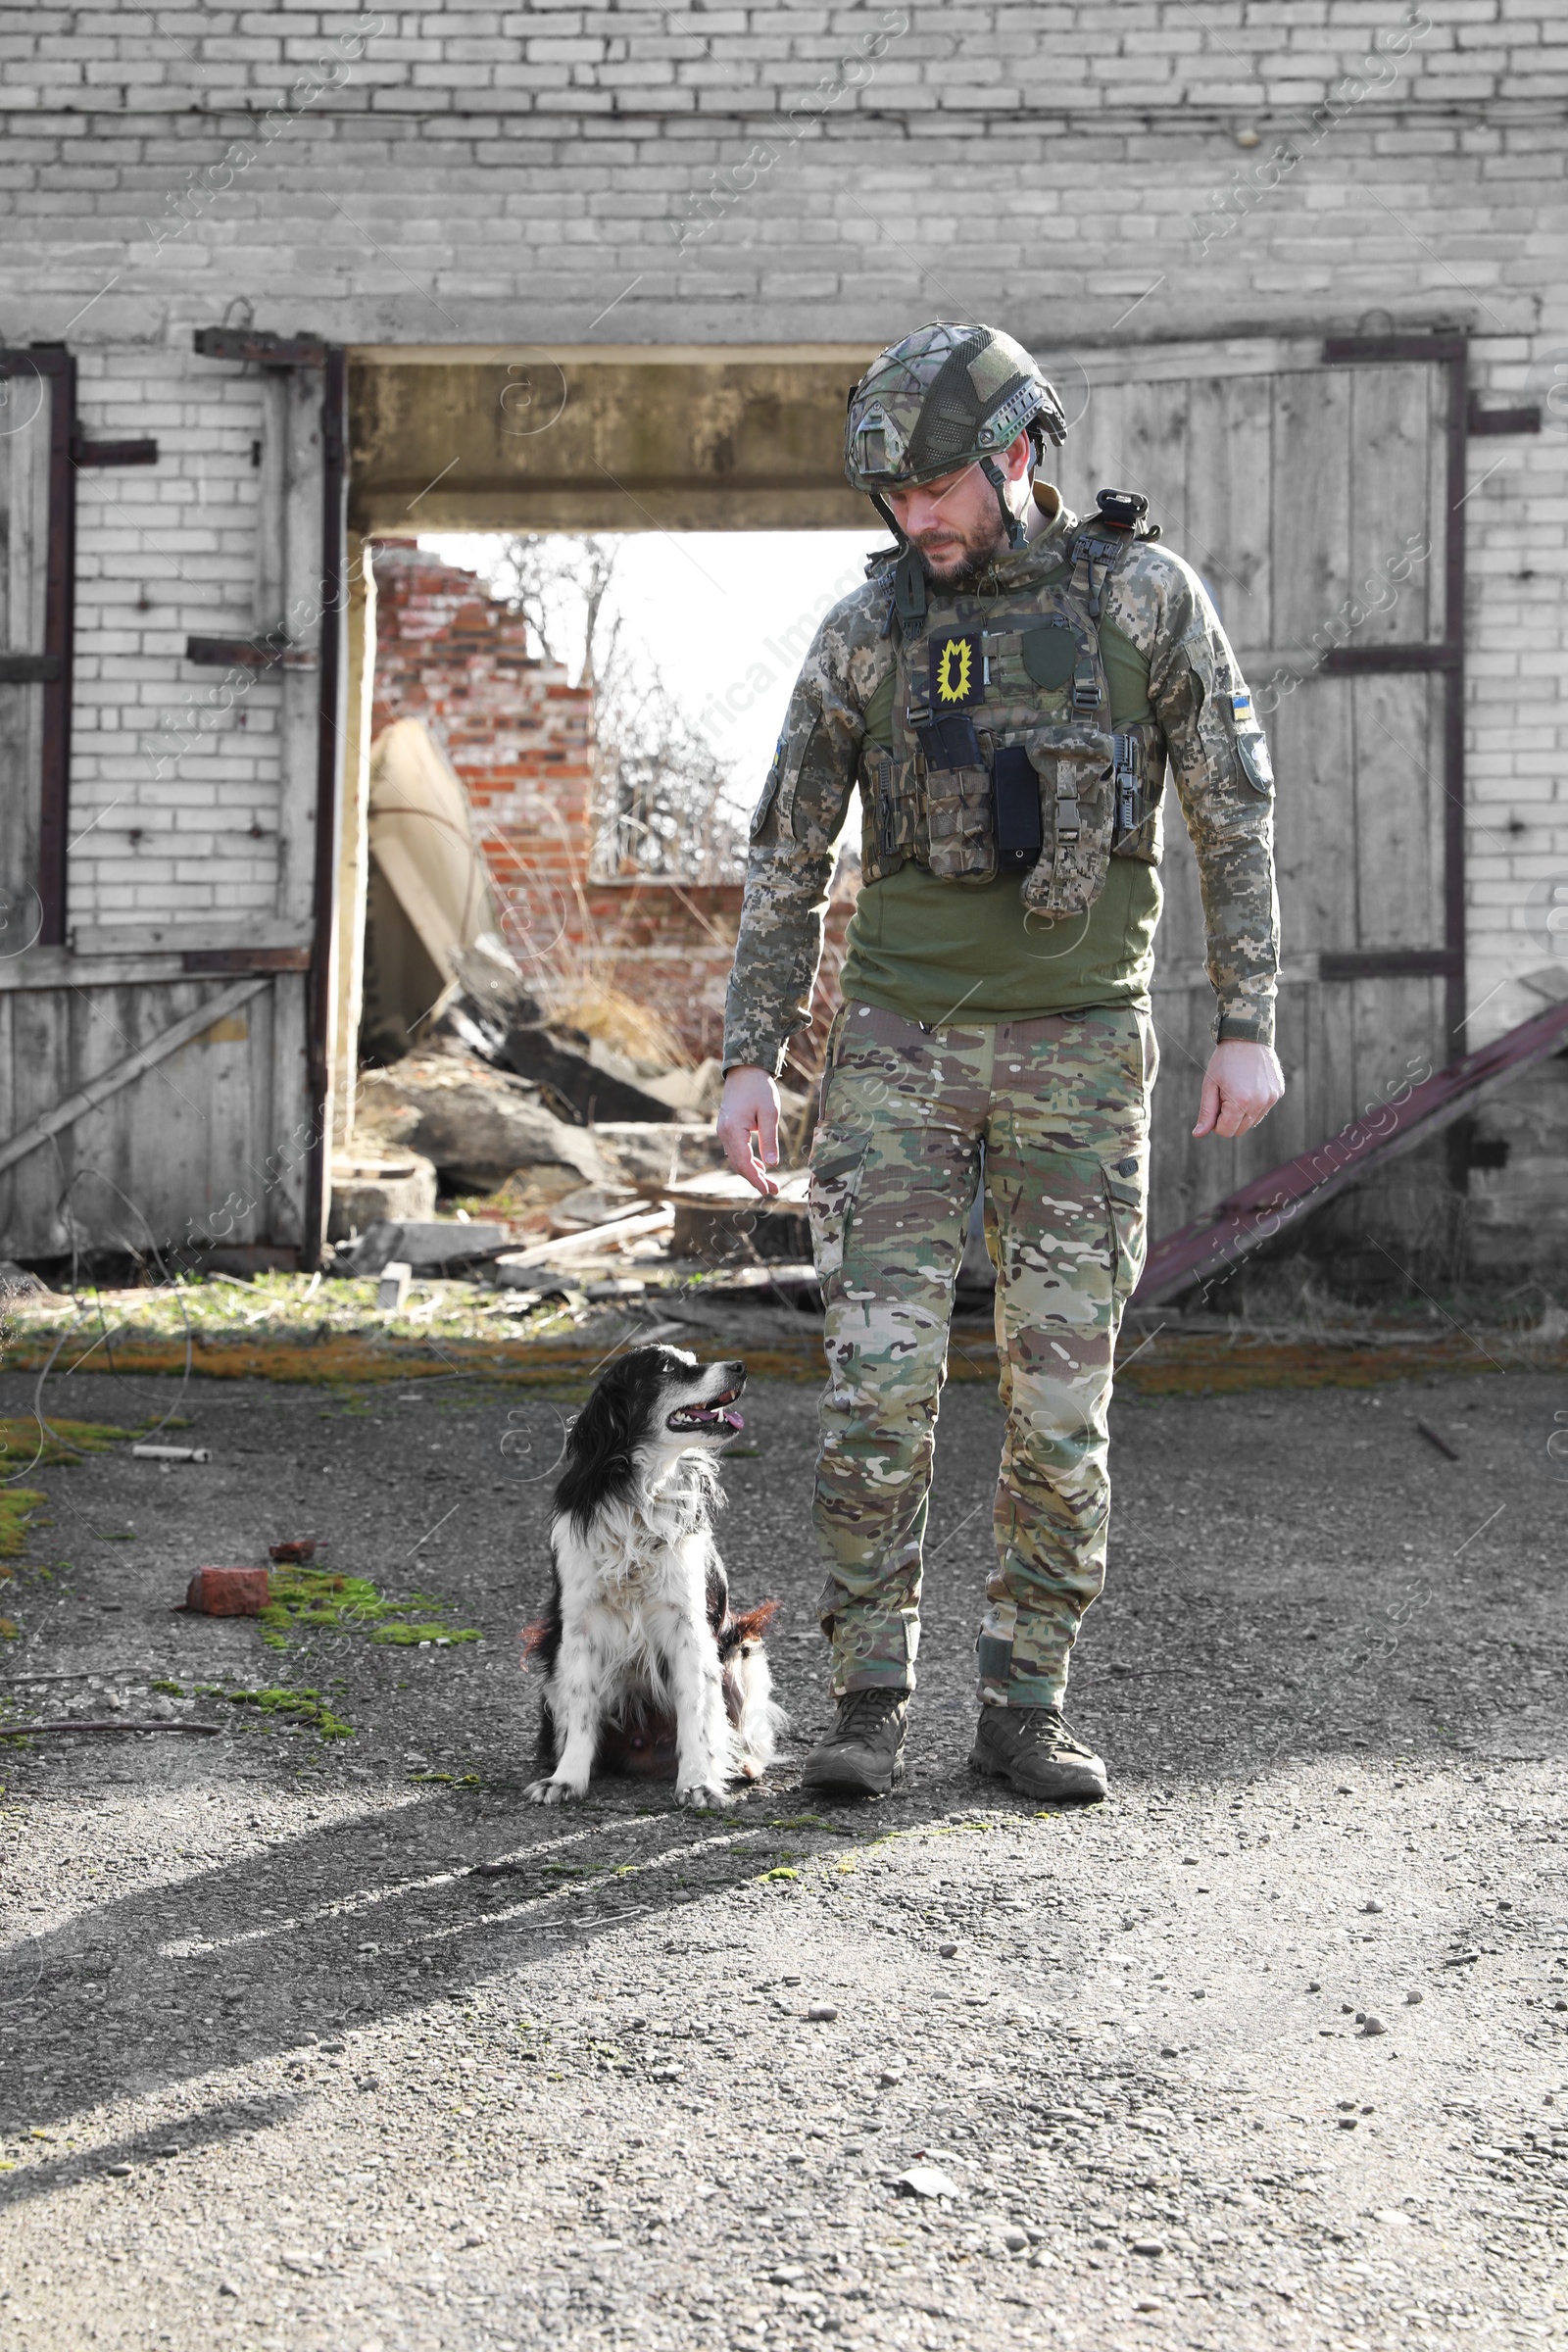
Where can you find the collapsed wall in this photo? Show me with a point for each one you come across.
(520, 737)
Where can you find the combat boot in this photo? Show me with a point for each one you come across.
(1032, 1749)
(862, 1755)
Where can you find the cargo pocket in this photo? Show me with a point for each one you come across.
(837, 1163)
(1127, 1219)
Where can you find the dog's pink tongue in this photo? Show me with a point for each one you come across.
(736, 1420)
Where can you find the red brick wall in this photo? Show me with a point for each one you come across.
(671, 944)
(516, 732)
(520, 737)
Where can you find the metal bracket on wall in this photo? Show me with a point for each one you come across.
(111, 452)
(271, 651)
(261, 344)
(1487, 421)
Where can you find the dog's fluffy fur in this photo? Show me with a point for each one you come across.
(639, 1642)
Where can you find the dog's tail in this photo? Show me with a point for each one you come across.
(756, 1719)
(750, 1626)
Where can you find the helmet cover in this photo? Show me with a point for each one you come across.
(947, 396)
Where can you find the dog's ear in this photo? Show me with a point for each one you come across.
(599, 1451)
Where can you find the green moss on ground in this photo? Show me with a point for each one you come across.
(16, 1507)
(29, 1444)
(306, 1707)
(319, 1600)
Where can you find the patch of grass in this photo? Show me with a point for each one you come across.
(408, 1636)
(316, 1601)
(16, 1507)
(304, 1706)
(764, 1875)
(26, 1444)
(173, 1689)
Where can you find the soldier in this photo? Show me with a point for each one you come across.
(1005, 688)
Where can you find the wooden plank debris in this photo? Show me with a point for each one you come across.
(592, 1241)
(1197, 1251)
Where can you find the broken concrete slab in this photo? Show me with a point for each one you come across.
(437, 1247)
(478, 1125)
(651, 1155)
(370, 1190)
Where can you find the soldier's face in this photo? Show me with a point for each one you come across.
(952, 523)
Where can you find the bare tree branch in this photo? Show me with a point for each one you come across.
(659, 784)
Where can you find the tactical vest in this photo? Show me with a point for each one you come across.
(1003, 757)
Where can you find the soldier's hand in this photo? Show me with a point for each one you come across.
(1241, 1086)
(748, 1125)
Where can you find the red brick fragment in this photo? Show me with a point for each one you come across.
(293, 1552)
(228, 1591)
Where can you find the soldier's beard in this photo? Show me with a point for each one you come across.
(959, 568)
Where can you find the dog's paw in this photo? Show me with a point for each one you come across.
(552, 1793)
(705, 1796)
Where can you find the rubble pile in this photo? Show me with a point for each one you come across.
(532, 1158)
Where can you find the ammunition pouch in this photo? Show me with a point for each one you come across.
(1026, 776)
(1078, 812)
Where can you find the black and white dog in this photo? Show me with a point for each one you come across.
(640, 1651)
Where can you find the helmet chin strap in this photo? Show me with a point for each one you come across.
(908, 605)
(1010, 523)
(886, 513)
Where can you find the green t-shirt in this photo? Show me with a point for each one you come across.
(939, 951)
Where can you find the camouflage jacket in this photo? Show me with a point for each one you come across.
(1195, 688)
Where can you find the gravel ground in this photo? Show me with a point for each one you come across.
(300, 2049)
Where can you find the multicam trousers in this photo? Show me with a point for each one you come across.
(1055, 1113)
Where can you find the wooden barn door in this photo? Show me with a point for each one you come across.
(37, 402)
(1319, 491)
(163, 1084)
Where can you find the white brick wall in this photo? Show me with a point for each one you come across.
(174, 786)
(1093, 56)
(571, 173)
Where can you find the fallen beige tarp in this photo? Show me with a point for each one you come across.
(430, 892)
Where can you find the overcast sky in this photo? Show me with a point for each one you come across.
(724, 616)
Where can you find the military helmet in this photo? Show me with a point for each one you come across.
(944, 397)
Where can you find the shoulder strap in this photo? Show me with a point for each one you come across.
(909, 593)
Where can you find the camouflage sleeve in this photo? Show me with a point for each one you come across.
(798, 822)
(1220, 760)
